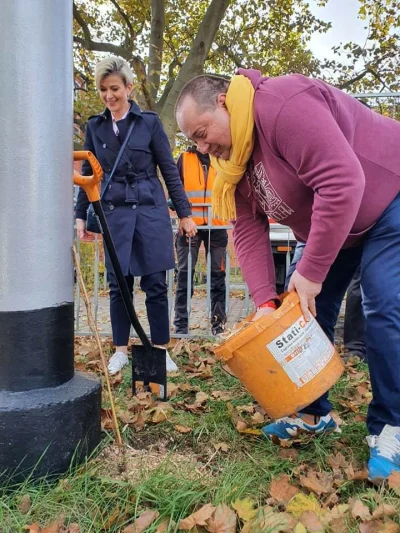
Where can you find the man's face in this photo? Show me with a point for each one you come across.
(210, 130)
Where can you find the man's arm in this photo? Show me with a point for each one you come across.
(253, 250)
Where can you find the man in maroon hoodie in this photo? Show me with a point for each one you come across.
(312, 157)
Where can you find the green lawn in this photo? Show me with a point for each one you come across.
(204, 447)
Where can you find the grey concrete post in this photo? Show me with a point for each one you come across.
(44, 406)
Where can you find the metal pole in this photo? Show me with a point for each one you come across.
(48, 414)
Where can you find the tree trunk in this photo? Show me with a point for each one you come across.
(194, 62)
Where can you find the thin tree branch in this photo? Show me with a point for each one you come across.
(94, 46)
(125, 17)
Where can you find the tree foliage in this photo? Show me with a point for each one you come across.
(167, 42)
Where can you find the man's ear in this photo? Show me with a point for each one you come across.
(221, 100)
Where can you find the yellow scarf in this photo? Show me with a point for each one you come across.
(239, 102)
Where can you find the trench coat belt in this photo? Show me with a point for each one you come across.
(133, 176)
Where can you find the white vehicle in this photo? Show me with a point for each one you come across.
(283, 244)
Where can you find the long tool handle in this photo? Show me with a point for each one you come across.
(92, 326)
(123, 287)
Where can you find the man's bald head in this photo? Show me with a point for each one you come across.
(204, 90)
(202, 115)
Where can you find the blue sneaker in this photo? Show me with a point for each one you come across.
(287, 428)
(384, 454)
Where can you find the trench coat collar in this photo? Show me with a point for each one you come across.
(104, 129)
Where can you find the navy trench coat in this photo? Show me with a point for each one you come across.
(136, 207)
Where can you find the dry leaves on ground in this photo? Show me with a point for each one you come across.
(281, 490)
(142, 522)
(245, 509)
(318, 482)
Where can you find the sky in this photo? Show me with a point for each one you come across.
(345, 26)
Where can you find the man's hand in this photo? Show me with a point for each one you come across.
(187, 227)
(307, 291)
(262, 311)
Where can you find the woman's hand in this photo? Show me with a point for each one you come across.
(187, 227)
(83, 235)
(307, 291)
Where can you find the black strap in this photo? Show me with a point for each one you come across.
(121, 150)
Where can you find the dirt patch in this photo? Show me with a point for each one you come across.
(133, 465)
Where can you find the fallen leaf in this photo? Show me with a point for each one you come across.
(288, 453)
(165, 526)
(199, 518)
(32, 528)
(221, 395)
(281, 489)
(311, 521)
(112, 518)
(223, 520)
(337, 461)
(334, 514)
(56, 526)
(376, 526)
(182, 429)
(222, 446)
(245, 509)
(201, 397)
(301, 503)
(257, 418)
(359, 510)
(143, 522)
(384, 510)
(300, 528)
(241, 426)
(162, 412)
(268, 520)
(318, 482)
(25, 504)
(172, 390)
(356, 475)
(73, 528)
(394, 482)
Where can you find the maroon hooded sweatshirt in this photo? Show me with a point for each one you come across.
(323, 164)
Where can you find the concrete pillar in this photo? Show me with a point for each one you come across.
(44, 407)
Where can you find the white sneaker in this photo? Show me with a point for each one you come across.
(171, 365)
(117, 362)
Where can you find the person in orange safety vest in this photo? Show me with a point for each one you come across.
(197, 177)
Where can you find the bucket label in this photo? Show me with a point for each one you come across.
(303, 350)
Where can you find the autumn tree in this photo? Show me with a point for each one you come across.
(167, 42)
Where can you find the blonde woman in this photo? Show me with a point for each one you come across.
(134, 203)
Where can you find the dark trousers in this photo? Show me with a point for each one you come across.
(155, 287)
(354, 323)
(215, 241)
(378, 258)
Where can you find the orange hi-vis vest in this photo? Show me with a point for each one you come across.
(198, 185)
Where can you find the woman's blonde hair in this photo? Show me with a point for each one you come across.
(113, 65)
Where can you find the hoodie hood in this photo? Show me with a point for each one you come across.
(253, 75)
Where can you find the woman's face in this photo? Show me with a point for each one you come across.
(114, 93)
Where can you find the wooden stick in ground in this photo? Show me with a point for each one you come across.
(93, 327)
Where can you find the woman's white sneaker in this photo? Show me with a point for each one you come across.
(117, 362)
(171, 365)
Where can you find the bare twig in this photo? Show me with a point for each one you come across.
(92, 326)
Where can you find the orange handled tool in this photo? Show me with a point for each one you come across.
(148, 362)
(89, 183)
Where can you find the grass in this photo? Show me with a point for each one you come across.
(176, 473)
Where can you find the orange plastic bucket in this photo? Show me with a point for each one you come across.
(283, 361)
